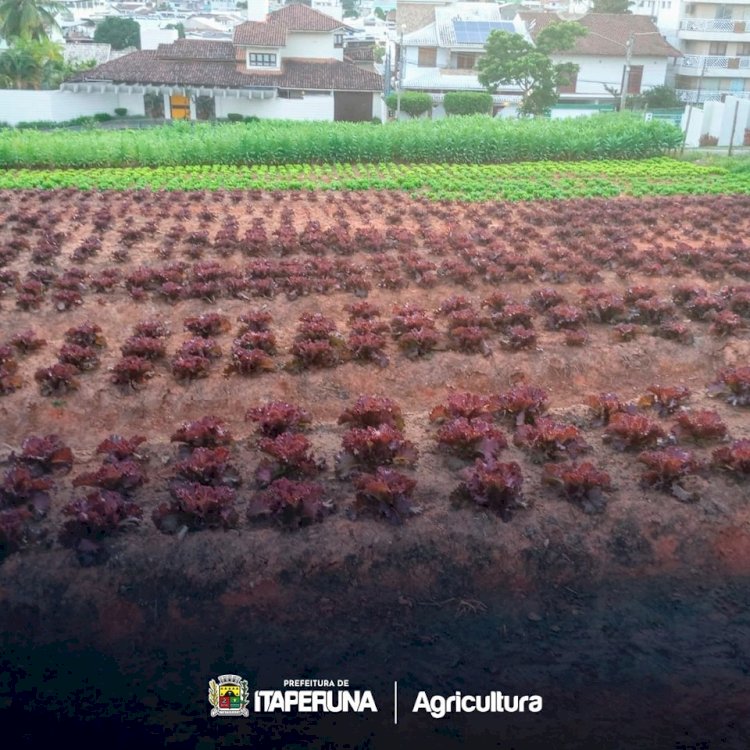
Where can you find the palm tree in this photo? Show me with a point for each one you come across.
(31, 65)
(28, 19)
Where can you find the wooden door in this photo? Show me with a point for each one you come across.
(352, 106)
(180, 107)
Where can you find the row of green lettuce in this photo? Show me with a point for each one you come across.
(456, 140)
(474, 182)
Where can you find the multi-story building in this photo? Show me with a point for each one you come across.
(715, 41)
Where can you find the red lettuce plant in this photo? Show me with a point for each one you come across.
(699, 426)
(209, 466)
(195, 507)
(666, 399)
(633, 432)
(733, 385)
(45, 455)
(665, 469)
(118, 448)
(467, 405)
(208, 325)
(277, 417)
(496, 486)
(87, 334)
(373, 411)
(471, 438)
(144, 347)
(734, 457)
(290, 503)
(120, 476)
(604, 405)
(582, 484)
(21, 487)
(93, 518)
(132, 372)
(57, 380)
(26, 342)
(387, 493)
(524, 402)
(547, 439)
(290, 455)
(368, 447)
(81, 357)
(206, 432)
(13, 530)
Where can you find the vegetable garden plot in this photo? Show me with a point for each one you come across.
(398, 360)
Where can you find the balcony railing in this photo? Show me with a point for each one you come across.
(692, 96)
(698, 62)
(713, 24)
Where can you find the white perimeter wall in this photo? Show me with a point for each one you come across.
(24, 106)
(309, 108)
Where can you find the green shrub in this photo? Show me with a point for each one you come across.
(414, 103)
(121, 111)
(235, 117)
(103, 117)
(467, 103)
(251, 118)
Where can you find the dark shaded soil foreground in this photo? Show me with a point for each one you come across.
(626, 653)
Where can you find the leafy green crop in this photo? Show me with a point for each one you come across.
(545, 180)
(464, 140)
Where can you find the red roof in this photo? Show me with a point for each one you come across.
(272, 32)
(156, 67)
(608, 34)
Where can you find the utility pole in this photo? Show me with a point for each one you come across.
(626, 76)
(400, 76)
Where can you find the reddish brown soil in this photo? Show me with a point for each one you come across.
(364, 576)
(641, 529)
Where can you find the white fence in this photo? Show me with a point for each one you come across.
(717, 120)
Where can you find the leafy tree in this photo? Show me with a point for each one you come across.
(510, 60)
(611, 6)
(28, 19)
(119, 32)
(379, 13)
(378, 53)
(351, 8)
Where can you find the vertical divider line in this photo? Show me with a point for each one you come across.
(395, 702)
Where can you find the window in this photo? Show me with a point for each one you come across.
(291, 94)
(743, 50)
(570, 88)
(427, 57)
(723, 11)
(634, 79)
(466, 61)
(261, 60)
(338, 40)
(717, 48)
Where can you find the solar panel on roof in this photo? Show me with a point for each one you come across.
(476, 32)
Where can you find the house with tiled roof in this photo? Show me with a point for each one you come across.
(288, 64)
(442, 42)
(601, 55)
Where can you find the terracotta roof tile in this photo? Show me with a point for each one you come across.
(608, 34)
(260, 34)
(297, 17)
(196, 49)
(151, 67)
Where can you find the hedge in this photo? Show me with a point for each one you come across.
(414, 103)
(468, 103)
